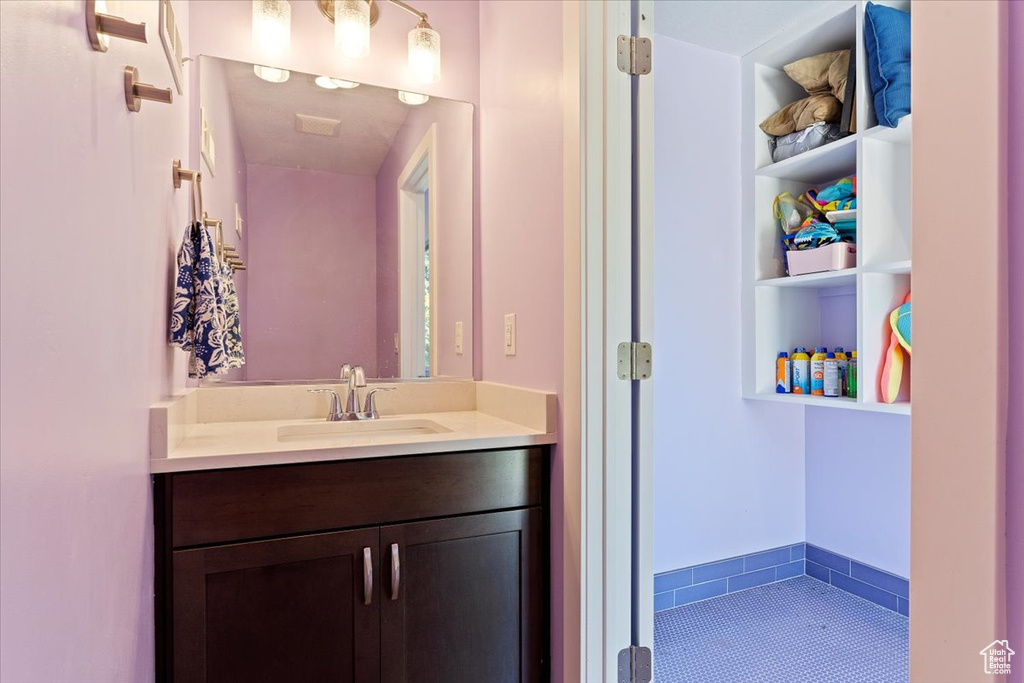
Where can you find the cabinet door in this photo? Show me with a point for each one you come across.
(292, 609)
(463, 600)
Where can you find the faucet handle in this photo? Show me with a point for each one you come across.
(335, 413)
(370, 410)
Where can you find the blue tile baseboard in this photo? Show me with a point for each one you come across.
(701, 582)
(864, 581)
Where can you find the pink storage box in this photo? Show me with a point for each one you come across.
(837, 256)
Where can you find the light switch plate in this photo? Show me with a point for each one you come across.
(510, 334)
(458, 338)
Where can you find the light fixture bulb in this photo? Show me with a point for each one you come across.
(270, 74)
(328, 83)
(271, 27)
(412, 98)
(352, 27)
(425, 53)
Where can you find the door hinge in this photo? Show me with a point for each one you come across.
(634, 55)
(635, 665)
(635, 360)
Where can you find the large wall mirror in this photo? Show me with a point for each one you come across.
(351, 207)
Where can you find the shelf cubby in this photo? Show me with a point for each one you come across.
(848, 308)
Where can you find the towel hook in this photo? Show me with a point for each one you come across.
(101, 26)
(135, 92)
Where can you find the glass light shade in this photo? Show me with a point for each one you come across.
(425, 54)
(269, 73)
(271, 27)
(412, 98)
(328, 83)
(352, 27)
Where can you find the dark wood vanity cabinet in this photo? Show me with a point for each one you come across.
(275, 574)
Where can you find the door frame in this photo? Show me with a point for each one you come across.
(599, 274)
(419, 169)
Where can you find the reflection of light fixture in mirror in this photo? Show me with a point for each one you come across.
(270, 74)
(271, 27)
(328, 83)
(412, 98)
(425, 53)
(352, 22)
(352, 27)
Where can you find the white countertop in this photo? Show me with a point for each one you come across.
(220, 445)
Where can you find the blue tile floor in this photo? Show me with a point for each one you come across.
(795, 630)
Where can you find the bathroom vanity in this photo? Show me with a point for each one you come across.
(412, 558)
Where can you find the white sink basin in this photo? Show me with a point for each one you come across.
(333, 431)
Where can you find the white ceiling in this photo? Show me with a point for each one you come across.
(265, 116)
(732, 26)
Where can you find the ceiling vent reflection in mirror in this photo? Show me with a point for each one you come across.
(316, 125)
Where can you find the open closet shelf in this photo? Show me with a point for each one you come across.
(845, 308)
(829, 161)
(900, 135)
(831, 278)
(899, 408)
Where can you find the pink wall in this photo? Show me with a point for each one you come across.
(1015, 415)
(521, 230)
(454, 244)
(312, 273)
(959, 426)
(226, 186)
(90, 225)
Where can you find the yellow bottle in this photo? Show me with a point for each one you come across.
(801, 371)
(818, 372)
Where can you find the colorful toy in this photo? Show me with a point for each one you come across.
(899, 339)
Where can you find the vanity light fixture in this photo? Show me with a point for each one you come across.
(352, 22)
(271, 27)
(101, 26)
(270, 74)
(413, 98)
(329, 83)
(352, 27)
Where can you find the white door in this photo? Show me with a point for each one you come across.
(616, 245)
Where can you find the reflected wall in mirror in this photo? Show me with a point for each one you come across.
(354, 219)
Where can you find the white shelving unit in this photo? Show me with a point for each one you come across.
(848, 308)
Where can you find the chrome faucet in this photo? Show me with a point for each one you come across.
(356, 380)
(370, 409)
(335, 414)
(355, 377)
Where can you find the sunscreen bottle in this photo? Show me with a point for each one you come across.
(831, 376)
(783, 374)
(851, 376)
(818, 372)
(843, 361)
(801, 371)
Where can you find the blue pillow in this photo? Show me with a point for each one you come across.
(887, 38)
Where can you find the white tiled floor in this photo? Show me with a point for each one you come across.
(795, 630)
